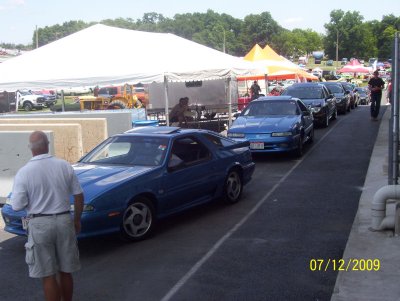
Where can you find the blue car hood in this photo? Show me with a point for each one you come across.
(265, 124)
(96, 179)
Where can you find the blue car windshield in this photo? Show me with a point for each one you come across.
(129, 150)
(304, 92)
(271, 108)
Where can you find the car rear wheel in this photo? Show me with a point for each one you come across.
(233, 187)
(138, 220)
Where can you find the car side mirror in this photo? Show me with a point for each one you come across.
(236, 115)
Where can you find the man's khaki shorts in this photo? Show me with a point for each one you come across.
(51, 246)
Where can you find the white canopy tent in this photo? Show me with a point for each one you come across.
(104, 55)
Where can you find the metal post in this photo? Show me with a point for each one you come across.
(62, 101)
(166, 100)
(395, 108)
(228, 91)
(337, 47)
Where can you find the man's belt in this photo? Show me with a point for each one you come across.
(47, 214)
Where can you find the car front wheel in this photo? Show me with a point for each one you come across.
(233, 187)
(138, 220)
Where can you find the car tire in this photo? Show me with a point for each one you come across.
(116, 105)
(311, 136)
(233, 187)
(325, 123)
(138, 220)
(299, 151)
(334, 115)
(28, 106)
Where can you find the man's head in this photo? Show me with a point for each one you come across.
(255, 82)
(184, 100)
(38, 143)
(376, 73)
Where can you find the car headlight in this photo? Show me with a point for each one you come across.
(281, 134)
(85, 208)
(316, 109)
(340, 99)
(236, 135)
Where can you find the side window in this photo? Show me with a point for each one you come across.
(188, 151)
(302, 106)
(218, 141)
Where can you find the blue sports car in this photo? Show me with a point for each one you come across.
(132, 179)
(274, 124)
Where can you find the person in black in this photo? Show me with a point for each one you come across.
(376, 85)
(255, 90)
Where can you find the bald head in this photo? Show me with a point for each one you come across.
(38, 143)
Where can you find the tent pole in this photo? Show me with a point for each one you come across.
(266, 83)
(229, 101)
(166, 100)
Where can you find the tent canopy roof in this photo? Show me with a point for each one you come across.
(102, 55)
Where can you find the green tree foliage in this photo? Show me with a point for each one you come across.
(237, 37)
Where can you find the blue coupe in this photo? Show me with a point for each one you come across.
(133, 179)
(274, 124)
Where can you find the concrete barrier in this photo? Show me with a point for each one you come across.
(13, 155)
(118, 121)
(67, 138)
(94, 130)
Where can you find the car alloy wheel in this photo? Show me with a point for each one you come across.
(233, 187)
(138, 220)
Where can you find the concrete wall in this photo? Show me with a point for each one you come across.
(118, 121)
(67, 138)
(14, 153)
(94, 130)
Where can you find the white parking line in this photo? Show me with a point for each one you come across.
(216, 246)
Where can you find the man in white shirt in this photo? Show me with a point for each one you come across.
(43, 187)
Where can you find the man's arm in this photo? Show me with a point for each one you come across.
(78, 208)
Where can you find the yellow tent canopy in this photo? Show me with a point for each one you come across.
(278, 67)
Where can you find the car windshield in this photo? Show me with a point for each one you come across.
(335, 88)
(304, 92)
(129, 150)
(270, 108)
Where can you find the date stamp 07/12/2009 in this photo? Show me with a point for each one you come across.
(346, 265)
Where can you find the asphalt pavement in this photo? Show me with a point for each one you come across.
(371, 258)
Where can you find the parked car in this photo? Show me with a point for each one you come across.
(133, 179)
(364, 94)
(49, 96)
(342, 96)
(354, 97)
(344, 61)
(274, 124)
(329, 62)
(316, 95)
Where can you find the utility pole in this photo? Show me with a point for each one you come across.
(337, 47)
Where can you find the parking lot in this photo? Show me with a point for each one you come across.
(259, 249)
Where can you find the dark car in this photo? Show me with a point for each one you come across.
(318, 97)
(354, 98)
(274, 124)
(342, 96)
(131, 180)
(364, 95)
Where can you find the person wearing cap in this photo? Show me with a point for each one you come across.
(43, 188)
(376, 85)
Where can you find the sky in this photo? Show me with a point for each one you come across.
(19, 18)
